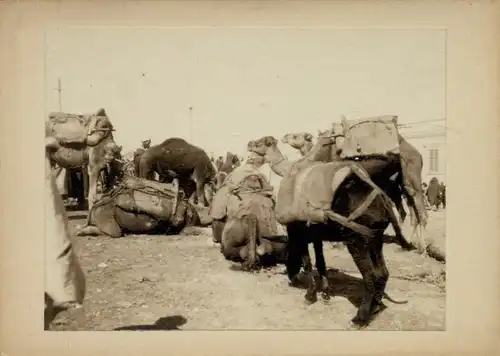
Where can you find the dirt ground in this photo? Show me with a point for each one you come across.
(142, 282)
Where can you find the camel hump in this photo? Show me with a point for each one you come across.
(101, 112)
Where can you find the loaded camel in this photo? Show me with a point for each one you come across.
(243, 217)
(143, 206)
(409, 178)
(84, 141)
(302, 141)
(346, 206)
(404, 178)
(176, 158)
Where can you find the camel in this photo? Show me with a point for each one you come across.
(176, 158)
(142, 206)
(64, 279)
(302, 141)
(409, 177)
(243, 218)
(83, 141)
(329, 191)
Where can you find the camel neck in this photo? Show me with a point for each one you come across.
(279, 164)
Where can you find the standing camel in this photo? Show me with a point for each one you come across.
(409, 177)
(83, 141)
(190, 164)
(302, 141)
(346, 206)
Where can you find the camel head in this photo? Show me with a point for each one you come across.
(297, 140)
(99, 128)
(255, 160)
(262, 145)
(326, 148)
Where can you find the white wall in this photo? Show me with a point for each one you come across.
(424, 139)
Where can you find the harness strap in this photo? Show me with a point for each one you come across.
(360, 229)
(361, 209)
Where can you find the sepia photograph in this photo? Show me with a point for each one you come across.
(245, 179)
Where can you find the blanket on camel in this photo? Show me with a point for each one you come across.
(307, 191)
(246, 191)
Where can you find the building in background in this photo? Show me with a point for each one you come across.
(429, 137)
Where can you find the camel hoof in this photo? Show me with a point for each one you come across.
(310, 298)
(378, 308)
(325, 296)
(359, 322)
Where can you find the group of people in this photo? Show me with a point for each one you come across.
(435, 194)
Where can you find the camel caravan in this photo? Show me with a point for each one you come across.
(347, 187)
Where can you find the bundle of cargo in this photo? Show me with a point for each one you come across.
(376, 135)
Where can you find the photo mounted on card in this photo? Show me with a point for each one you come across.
(236, 148)
(265, 176)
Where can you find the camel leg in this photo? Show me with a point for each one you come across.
(60, 178)
(250, 228)
(200, 193)
(217, 228)
(381, 274)
(295, 249)
(232, 240)
(85, 177)
(93, 176)
(321, 267)
(361, 256)
(311, 294)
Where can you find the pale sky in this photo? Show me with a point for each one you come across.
(243, 83)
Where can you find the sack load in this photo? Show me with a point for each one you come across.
(144, 196)
(68, 127)
(306, 193)
(243, 179)
(376, 135)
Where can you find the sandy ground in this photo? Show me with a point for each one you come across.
(183, 282)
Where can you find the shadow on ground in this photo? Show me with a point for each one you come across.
(166, 323)
(340, 285)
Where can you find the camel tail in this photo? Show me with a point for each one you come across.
(386, 296)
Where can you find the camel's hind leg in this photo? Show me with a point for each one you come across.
(381, 274)
(233, 240)
(250, 228)
(321, 267)
(361, 256)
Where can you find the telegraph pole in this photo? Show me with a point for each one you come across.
(191, 124)
(59, 92)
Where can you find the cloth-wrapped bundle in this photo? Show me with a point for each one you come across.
(140, 206)
(376, 135)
